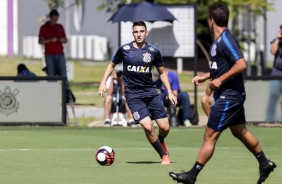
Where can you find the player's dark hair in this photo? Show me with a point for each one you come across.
(219, 13)
(281, 27)
(139, 23)
(54, 12)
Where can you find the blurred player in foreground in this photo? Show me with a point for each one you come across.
(138, 58)
(227, 83)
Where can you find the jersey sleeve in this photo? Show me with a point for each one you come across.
(158, 60)
(118, 57)
(231, 48)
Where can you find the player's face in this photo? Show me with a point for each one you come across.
(54, 20)
(139, 34)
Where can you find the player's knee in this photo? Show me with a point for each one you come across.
(109, 99)
(211, 136)
(147, 128)
(147, 124)
(165, 128)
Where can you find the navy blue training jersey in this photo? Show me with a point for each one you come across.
(137, 66)
(224, 52)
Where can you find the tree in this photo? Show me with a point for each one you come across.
(55, 4)
(257, 7)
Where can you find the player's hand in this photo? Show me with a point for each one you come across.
(172, 99)
(63, 40)
(198, 80)
(54, 39)
(102, 89)
(215, 84)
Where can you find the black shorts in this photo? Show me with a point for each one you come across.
(146, 106)
(227, 111)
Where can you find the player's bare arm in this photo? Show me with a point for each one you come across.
(108, 72)
(239, 67)
(43, 41)
(199, 80)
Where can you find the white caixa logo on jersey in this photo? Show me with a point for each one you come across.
(8, 101)
(213, 65)
(147, 57)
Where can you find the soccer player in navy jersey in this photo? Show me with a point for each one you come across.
(226, 81)
(138, 58)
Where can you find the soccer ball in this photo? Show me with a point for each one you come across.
(105, 156)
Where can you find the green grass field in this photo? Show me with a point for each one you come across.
(66, 155)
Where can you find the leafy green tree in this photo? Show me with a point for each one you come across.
(55, 4)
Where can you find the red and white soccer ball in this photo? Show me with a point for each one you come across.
(105, 156)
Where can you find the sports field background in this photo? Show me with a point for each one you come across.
(66, 155)
(87, 76)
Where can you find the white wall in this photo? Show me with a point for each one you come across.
(16, 28)
(3, 27)
(89, 47)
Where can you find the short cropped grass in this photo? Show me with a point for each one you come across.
(66, 155)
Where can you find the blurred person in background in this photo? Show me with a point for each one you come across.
(23, 71)
(275, 86)
(52, 36)
(183, 100)
(115, 85)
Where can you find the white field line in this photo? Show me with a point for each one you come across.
(94, 149)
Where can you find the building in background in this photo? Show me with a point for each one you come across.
(90, 36)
